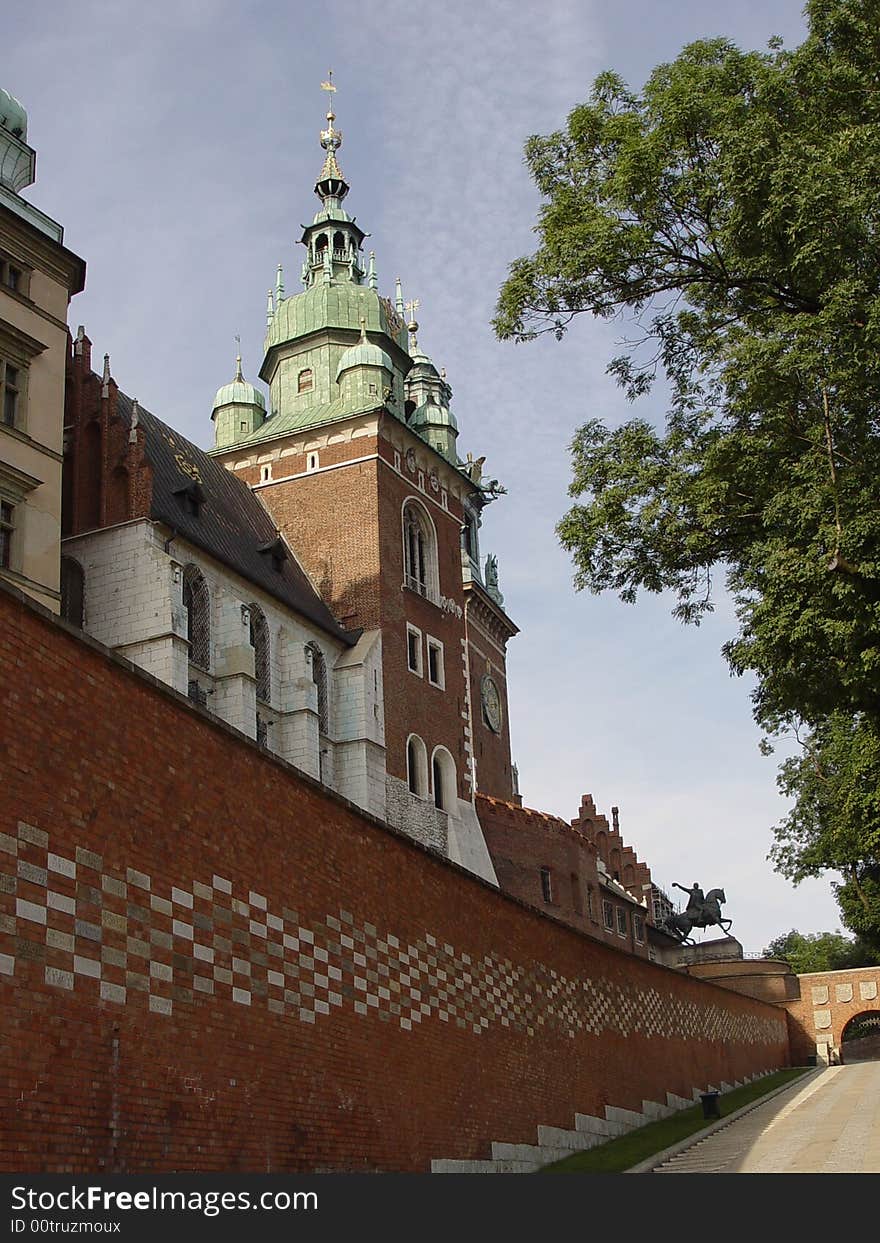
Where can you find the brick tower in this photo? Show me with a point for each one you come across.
(357, 462)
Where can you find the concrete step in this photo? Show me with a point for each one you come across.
(537, 1153)
(574, 1141)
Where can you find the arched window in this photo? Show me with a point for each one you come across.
(319, 676)
(72, 592)
(601, 846)
(338, 242)
(197, 602)
(417, 766)
(259, 636)
(419, 552)
(445, 780)
(305, 381)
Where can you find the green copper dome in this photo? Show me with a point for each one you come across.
(240, 393)
(12, 115)
(364, 354)
(429, 414)
(333, 305)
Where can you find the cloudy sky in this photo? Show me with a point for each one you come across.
(177, 143)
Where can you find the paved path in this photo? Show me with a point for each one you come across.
(830, 1125)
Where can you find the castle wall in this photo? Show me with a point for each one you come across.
(828, 1000)
(208, 962)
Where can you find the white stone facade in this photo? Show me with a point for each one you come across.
(133, 603)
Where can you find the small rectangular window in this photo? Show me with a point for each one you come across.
(11, 391)
(436, 671)
(591, 902)
(621, 922)
(414, 650)
(546, 885)
(7, 527)
(639, 929)
(608, 914)
(312, 462)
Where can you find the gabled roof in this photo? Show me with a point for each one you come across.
(230, 524)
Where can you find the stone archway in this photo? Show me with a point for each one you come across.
(860, 1039)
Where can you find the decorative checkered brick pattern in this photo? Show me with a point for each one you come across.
(126, 939)
(209, 963)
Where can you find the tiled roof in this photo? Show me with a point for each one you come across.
(231, 524)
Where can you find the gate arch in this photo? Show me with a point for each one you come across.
(860, 1038)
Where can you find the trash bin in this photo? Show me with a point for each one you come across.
(710, 1104)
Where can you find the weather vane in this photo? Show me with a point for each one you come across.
(328, 85)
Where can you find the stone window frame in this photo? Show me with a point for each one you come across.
(21, 285)
(17, 350)
(417, 767)
(546, 875)
(622, 922)
(638, 923)
(414, 647)
(608, 914)
(15, 485)
(434, 645)
(8, 527)
(258, 636)
(198, 616)
(445, 780)
(305, 381)
(421, 572)
(317, 662)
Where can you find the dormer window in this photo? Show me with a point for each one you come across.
(276, 551)
(191, 497)
(305, 381)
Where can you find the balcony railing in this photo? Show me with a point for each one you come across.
(421, 588)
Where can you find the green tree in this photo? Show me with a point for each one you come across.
(821, 951)
(731, 210)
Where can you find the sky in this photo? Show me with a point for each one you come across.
(178, 145)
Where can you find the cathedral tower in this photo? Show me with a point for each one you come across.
(357, 462)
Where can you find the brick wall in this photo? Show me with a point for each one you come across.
(828, 1000)
(209, 963)
(523, 843)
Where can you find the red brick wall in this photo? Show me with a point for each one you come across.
(522, 842)
(419, 1014)
(837, 995)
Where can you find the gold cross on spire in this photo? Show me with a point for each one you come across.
(328, 85)
(412, 306)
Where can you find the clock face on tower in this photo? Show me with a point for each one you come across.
(491, 698)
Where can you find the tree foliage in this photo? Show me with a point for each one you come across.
(731, 210)
(821, 951)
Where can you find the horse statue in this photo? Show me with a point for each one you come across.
(700, 912)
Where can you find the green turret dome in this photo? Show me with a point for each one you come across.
(429, 414)
(12, 115)
(240, 393)
(364, 354)
(239, 409)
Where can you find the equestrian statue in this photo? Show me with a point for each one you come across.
(702, 911)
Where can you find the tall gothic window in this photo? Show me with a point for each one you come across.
(259, 636)
(419, 552)
(197, 602)
(319, 677)
(72, 591)
(445, 781)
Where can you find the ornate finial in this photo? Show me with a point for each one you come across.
(331, 183)
(105, 379)
(363, 340)
(442, 373)
(398, 299)
(270, 310)
(238, 376)
(279, 285)
(135, 420)
(412, 325)
(372, 279)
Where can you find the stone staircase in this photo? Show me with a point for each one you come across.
(556, 1143)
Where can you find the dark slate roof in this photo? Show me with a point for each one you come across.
(231, 525)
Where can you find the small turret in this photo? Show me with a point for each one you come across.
(428, 396)
(239, 409)
(364, 372)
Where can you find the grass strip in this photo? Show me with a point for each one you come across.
(627, 1150)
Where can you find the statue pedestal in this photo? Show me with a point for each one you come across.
(723, 949)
